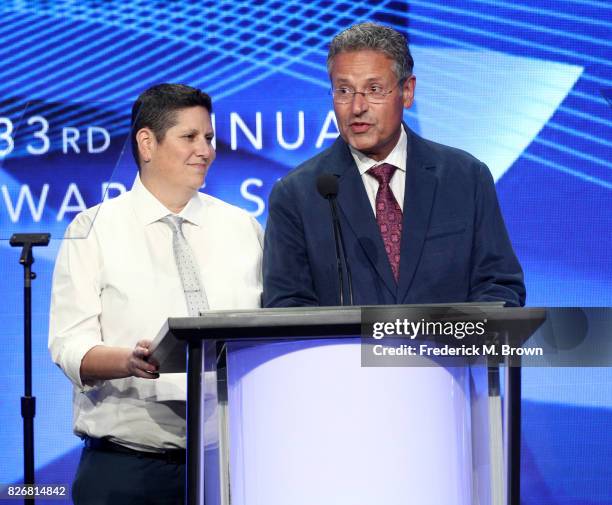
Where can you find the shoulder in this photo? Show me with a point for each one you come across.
(444, 154)
(448, 163)
(217, 206)
(300, 183)
(227, 214)
(309, 169)
(107, 213)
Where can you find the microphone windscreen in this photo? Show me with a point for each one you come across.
(327, 185)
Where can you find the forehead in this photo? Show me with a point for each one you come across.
(192, 117)
(358, 66)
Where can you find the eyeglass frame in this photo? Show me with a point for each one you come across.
(367, 93)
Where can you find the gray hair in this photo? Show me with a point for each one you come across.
(374, 37)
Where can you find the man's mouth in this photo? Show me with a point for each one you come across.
(358, 127)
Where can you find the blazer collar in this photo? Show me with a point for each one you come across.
(419, 196)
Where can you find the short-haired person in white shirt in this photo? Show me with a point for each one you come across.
(114, 288)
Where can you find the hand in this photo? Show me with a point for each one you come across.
(140, 363)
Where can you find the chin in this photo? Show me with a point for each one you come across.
(362, 140)
(198, 182)
(362, 145)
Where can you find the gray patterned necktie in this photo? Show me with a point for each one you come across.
(187, 267)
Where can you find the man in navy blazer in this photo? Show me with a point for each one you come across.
(441, 237)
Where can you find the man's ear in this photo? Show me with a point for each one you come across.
(145, 139)
(408, 91)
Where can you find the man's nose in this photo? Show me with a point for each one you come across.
(360, 104)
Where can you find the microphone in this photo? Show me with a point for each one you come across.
(327, 186)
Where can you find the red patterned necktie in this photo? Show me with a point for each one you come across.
(388, 215)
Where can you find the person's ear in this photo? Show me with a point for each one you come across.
(145, 139)
(408, 91)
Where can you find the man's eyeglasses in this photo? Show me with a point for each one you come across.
(374, 94)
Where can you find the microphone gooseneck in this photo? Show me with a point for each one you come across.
(327, 186)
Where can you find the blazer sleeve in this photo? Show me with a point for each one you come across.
(287, 276)
(496, 274)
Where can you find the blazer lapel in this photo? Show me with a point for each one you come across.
(357, 211)
(419, 196)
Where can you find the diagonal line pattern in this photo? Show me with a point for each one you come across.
(231, 45)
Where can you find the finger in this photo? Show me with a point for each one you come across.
(146, 366)
(140, 352)
(137, 364)
(145, 375)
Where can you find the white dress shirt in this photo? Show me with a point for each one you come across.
(397, 158)
(119, 285)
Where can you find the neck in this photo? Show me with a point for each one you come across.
(173, 199)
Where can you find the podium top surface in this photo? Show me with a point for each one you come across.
(337, 321)
(332, 322)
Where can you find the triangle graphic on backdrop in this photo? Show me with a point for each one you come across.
(490, 104)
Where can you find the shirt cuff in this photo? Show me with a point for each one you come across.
(73, 360)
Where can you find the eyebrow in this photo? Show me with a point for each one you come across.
(197, 130)
(344, 80)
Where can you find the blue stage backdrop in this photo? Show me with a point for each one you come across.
(524, 86)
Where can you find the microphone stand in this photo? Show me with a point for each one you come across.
(338, 233)
(327, 186)
(337, 241)
(28, 402)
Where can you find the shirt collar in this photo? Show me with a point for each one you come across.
(149, 209)
(397, 157)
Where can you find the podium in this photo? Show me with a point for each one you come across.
(283, 407)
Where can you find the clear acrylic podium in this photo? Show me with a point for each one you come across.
(281, 411)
